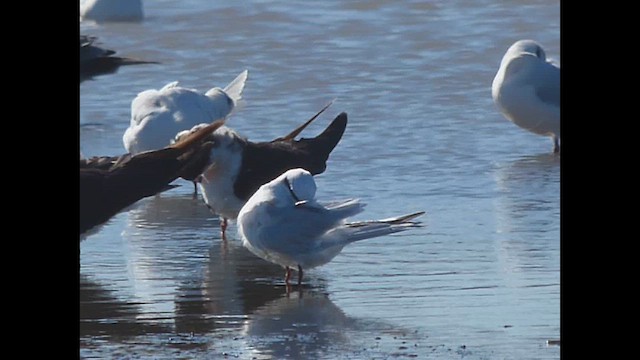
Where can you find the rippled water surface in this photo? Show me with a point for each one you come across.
(481, 279)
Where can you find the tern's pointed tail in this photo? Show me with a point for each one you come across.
(374, 228)
(235, 87)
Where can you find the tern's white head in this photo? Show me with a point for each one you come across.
(294, 186)
(524, 47)
(223, 102)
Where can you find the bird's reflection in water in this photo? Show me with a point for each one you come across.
(102, 313)
(528, 174)
(213, 283)
(304, 321)
(186, 288)
(234, 284)
(527, 208)
(528, 190)
(174, 210)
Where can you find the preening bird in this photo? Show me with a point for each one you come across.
(284, 223)
(158, 115)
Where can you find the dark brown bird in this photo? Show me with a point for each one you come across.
(95, 60)
(108, 185)
(237, 167)
(198, 165)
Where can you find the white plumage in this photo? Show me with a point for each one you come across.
(284, 224)
(526, 89)
(158, 115)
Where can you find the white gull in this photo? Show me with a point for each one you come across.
(526, 89)
(158, 115)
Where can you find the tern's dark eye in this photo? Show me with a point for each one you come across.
(539, 53)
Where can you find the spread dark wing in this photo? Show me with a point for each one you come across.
(263, 162)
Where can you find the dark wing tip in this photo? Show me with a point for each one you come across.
(342, 118)
(337, 127)
(291, 136)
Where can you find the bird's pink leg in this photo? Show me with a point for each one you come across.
(287, 275)
(223, 228)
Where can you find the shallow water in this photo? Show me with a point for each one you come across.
(481, 279)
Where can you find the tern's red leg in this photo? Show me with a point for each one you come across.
(287, 275)
(223, 228)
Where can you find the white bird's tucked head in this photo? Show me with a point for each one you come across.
(222, 101)
(521, 62)
(295, 186)
(524, 47)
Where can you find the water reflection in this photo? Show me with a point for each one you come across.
(304, 322)
(527, 208)
(186, 288)
(181, 271)
(528, 195)
(235, 283)
(174, 210)
(423, 132)
(103, 313)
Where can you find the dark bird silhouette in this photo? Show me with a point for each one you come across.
(95, 60)
(195, 169)
(237, 167)
(108, 185)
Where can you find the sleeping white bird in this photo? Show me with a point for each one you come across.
(526, 89)
(158, 115)
(284, 224)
